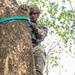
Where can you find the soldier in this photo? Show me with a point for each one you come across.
(39, 32)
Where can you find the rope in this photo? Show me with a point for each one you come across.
(15, 18)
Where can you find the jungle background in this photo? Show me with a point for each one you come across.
(59, 16)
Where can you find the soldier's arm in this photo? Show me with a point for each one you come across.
(41, 32)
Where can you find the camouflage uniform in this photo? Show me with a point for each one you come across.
(38, 33)
(39, 54)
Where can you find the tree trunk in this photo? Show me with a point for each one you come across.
(16, 56)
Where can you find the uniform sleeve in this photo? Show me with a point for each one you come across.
(41, 32)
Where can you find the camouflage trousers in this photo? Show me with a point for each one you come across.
(39, 57)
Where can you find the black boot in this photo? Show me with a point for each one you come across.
(38, 72)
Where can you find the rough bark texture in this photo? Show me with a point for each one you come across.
(16, 57)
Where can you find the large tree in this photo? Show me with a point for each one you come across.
(16, 57)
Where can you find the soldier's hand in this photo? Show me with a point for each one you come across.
(24, 7)
(33, 26)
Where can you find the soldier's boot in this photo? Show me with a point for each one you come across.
(39, 61)
(38, 72)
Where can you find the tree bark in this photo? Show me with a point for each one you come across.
(16, 56)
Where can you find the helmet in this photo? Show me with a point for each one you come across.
(34, 9)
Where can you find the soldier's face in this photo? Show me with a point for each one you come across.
(33, 17)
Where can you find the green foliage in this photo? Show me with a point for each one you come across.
(53, 59)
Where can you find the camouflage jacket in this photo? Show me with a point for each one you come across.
(39, 33)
